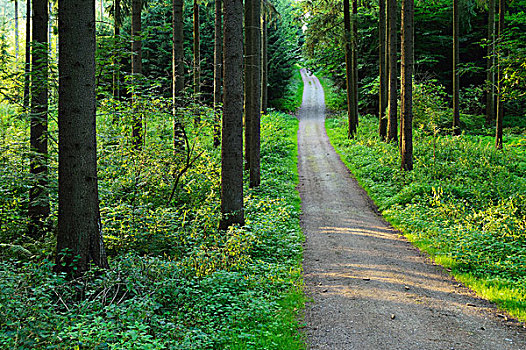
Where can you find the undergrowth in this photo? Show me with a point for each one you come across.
(464, 203)
(175, 281)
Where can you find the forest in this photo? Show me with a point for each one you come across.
(149, 176)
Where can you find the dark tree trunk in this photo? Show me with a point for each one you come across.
(79, 238)
(349, 68)
(16, 30)
(382, 91)
(500, 105)
(177, 73)
(136, 70)
(38, 197)
(197, 51)
(392, 103)
(490, 74)
(218, 58)
(232, 143)
(354, 24)
(456, 88)
(247, 81)
(264, 64)
(255, 98)
(116, 59)
(27, 66)
(406, 108)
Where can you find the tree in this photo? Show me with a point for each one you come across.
(406, 107)
(500, 77)
(264, 57)
(79, 238)
(382, 59)
(16, 29)
(456, 51)
(349, 70)
(232, 129)
(197, 51)
(218, 58)
(490, 64)
(116, 60)
(392, 103)
(354, 24)
(27, 65)
(136, 69)
(177, 71)
(38, 198)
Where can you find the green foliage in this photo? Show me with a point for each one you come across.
(464, 202)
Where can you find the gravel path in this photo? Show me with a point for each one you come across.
(370, 288)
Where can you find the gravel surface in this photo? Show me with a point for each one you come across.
(370, 288)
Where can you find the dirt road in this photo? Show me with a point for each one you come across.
(370, 288)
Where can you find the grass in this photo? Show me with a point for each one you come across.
(175, 281)
(464, 203)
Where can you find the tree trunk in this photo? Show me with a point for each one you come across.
(38, 197)
(264, 64)
(255, 98)
(197, 51)
(406, 108)
(116, 59)
(136, 70)
(382, 91)
(232, 144)
(16, 30)
(247, 81)
(456, 88)
(177, 73)
(79, 238)
(27, 66)
(218, 58)
(490, 74)
(392, 103)
(354, 24)
(349, 68)
(500, 105)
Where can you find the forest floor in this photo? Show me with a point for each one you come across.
(369, 287)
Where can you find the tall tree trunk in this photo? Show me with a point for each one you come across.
(456, 88)
(247, 81)
(49, 29)
(177, 73)
(349, 68)
(392, 103)
(27, 65)
(116, 58)
(16, 30)
(490, 73)
(136, 70)
(382, 91)
(264, 63)
(354, 24)
(406, 107)
(79, 238)
(232, 144)
(197, 51)
(255, 97)
(500, 105)
(38, 197)
(218, 58)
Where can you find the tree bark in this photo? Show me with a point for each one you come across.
(79, 238)
(392, 103)
(136, 70)
(382, 90)
(264, 63)
(232, 145)
(490, 74)
(16, 30)
(354, 24)
(349, 72)
(247, 81)
(406, 108)
(218, 58)
(500, 105)
(255, 97)
(27, 66)
(38, 198)
(177, 73)
(116, 59)
(456, 57)
(197, 51)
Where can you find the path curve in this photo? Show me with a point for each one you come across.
(370, 288)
